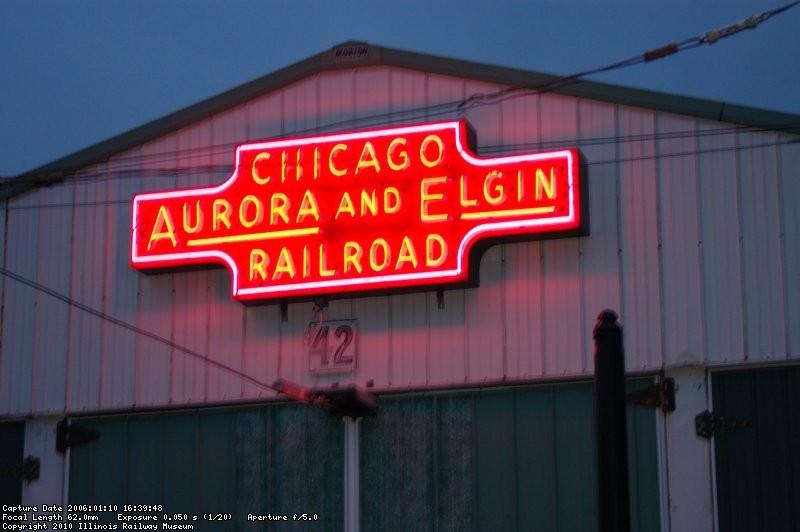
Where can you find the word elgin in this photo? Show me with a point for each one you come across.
(369, 210)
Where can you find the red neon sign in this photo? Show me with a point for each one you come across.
(369, 210)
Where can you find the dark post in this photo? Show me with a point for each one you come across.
(612, 444)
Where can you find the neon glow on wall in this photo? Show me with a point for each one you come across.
(370, 210)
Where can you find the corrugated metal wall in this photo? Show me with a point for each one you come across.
(694, 240)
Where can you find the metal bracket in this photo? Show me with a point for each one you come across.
(71, 435)
(28, 470)
(708, 424)
(350, 401)
(660, 395)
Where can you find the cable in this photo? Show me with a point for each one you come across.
(488, 150)
(459, 107)
(709, 37)
(133, 328)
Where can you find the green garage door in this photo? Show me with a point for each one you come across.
(279, 460)
(12, 447)
(510, 459)
(757, 449)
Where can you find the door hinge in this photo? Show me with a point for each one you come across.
(660, 395)
(708, 424)
(71, 435)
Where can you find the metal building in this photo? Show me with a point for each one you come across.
(484, 392)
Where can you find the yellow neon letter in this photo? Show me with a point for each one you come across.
(258, 264)
(323, 263)
(425, 198)
(465, 202)
(425, 143)
(549, 188)
(369, 202)
(278, 205)
(373, 255)
(335, 171)
(352, 255)
(391, 206)
(363, 162)
(163, 219)
(222, 213)
(430, 261)
(198, 218)
(308, 207)
(499, 189)
(285, 265)
(256, 177)
(403, 154)
(259, 214)
(407, 254)
(346, 205)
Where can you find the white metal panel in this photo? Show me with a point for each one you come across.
(406, 93)
(721, 244)
(639, 239)
(484, 306)
(264, 117)
(120, 302)
(600, 273)
(790, 191)
(524, 282)
(300, 107)
(682, 304)
(447, 347)
(87, 287)
(337, 105)
(761, 232)
(564, 329)
(156, 316)
(373, 340)
(52, 314)
(194, 165)
(409, 344)
(226, 315)
(19, 305)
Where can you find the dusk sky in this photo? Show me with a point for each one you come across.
(76, 73)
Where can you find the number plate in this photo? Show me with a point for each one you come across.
(332, 346)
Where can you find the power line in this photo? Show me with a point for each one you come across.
(710, 37)
(490, 150)
(459, 106)
(133, 328)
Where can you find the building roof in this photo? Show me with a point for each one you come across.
(357, 54)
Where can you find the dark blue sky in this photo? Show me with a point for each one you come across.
(75, 73)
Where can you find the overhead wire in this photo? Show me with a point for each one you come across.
(133, 328)
(496, 150)
(458, 107)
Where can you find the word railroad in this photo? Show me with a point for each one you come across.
(368, 210)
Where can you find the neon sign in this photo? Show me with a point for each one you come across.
(369, 210)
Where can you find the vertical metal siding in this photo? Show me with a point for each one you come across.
(191, 289)
(563, 327)
(721, 244)
(679, 237)
(599, 254)
(226, 314)
(52, 315)
(790, 191)
(19, 334)
(120, 297)
(761, 232)
(693, 238)
(639, 239)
